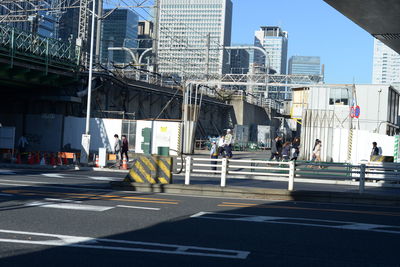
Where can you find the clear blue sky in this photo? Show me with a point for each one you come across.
(315, 29)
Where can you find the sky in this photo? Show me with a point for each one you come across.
(315, 29)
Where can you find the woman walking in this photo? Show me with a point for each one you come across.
(317, 151)
(286, 151)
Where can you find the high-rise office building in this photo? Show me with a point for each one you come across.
(119, 29)
(386, 64)
(239, 61)
(275, 42)
(69, 25)
(191, 36)
(304, 65)
(145, 41)
(38, 22)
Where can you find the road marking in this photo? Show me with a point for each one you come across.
(53, 175)
(268, 206)
(122, 245)
(102, 178)
(63, 200)
(90, 196)
(68, 206)
(6, 195)
(137, 207)
(391, 229)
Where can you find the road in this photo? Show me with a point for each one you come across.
(74, 219)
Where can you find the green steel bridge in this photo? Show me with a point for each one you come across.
(35, 49)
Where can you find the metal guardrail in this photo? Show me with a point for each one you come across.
(361, 175)
(38, 49)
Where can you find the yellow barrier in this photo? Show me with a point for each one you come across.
(151, 169)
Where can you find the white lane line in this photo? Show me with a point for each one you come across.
(6, 195)
(391, 229)
(137, 207)
(102, 178)
(53, 175)
(123, 245)
(68, 206)
(63, 200)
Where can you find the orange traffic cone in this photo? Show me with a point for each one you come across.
(97, 161)
(124, 164)
(18, 161)
(30, 158)
(52, 160)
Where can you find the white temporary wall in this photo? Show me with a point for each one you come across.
(165, 134)
(101, 130)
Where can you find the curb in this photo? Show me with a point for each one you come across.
(260, 193)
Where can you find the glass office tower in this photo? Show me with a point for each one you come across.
(386, 64)
(119, 29)
(185, 28)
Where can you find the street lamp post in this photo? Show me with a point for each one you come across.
(86, 135)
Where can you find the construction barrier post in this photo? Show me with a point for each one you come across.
(224, 171)
(291, 175)
(362, 179)
(188, 169)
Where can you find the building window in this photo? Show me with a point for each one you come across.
(339, 96)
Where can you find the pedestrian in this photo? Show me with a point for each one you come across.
(214, 155)
(274, 149)
(124, 148)
(221, 146)
(375, 149)
(316, 156)
(295, 148)
(228, 143)
(286, 151)
(22, 143)
(117, 148)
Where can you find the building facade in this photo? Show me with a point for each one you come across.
(275, 42)
(119, 29)
(191, 36)
(304, 65)
(239, 61)
(386, 64)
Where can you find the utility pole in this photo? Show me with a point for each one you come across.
(86, 136)
(98, 29)
(207, 55)
(156, 24)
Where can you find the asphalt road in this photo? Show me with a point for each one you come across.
(74, 219)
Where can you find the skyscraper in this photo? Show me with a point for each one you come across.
(386, 64)
(304, 65)
(275, 42)
(191, 36)
(239, 61)
(119, 29)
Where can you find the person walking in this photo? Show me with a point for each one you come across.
(22, 143)
(228, 143)
(214, 155)
(117, 148)
(274, 149)
(317, 151)
(375, 149)
(295, 148)
(124, 148)
(221, 146)
(286, 151)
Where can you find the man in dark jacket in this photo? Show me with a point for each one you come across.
(275, 149)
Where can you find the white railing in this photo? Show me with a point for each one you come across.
(237, 168)
(361, 175)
